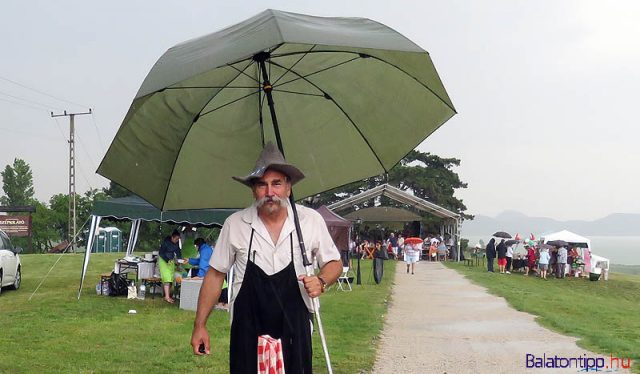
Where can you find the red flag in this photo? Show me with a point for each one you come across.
(518, 237)
(532, 237)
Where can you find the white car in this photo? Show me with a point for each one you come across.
(10, 267)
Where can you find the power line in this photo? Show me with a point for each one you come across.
(84, 149)
(60, 129)
(48, 107)
(93, 117)
(28, 133)
(42, 93)
(26, 105)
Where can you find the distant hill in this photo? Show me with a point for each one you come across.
(617, 224)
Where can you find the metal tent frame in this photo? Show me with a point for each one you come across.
(451, 221)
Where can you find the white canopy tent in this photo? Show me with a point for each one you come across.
(569, 237)
(596, 263)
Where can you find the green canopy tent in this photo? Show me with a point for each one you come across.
(136, 210)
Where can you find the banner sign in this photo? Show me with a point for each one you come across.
(16, 225)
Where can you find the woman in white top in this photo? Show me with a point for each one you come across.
(509, 258)
(411, 257)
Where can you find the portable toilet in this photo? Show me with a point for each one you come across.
(99, 242)
(113, 239)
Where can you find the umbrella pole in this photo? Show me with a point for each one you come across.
(266, 86)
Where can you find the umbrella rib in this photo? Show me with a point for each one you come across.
(298, 93)
(362, 55)
(327, 96)
(198, 115)
(243, 72)
(318, 71)
(207, 87)
(294, 65)
(229, 103)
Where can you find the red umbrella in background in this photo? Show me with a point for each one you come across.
(414, 240)
(532, 237)
(517, 237)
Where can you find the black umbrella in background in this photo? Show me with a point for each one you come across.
(511, 242)
(558, 243)
(501, 234)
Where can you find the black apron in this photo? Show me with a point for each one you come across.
(270, 305)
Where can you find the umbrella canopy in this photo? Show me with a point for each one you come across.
(346, 92)
(511, 242)
(502, 234)
(544, 246)
(413, 240)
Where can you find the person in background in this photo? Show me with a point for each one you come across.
(168, 254)
(400, 244)
(411, 255)
(509, 258)
(571, 259)
(562, 262)
(543, 262)
(531, 259)
(491, 254)
(394, 245)
(587, 261)
(553, 254)
(442, 251)
(201, 263)
(502, 256)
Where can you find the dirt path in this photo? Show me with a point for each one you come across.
(439, 322)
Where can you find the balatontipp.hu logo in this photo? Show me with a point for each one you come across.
(584, 362)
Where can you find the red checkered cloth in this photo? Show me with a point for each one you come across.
(270, 359)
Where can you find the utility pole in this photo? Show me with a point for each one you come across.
(72, 176)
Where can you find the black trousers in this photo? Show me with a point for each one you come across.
(490, 264)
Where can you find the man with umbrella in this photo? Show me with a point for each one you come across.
(270, 295)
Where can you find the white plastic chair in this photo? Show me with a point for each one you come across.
(344, 278)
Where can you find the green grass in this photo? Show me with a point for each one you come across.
(603, 315)
(55, 333)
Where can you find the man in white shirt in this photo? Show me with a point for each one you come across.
(271, 295)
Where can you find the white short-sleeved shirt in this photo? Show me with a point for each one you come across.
(233, 245)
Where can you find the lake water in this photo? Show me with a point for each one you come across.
(624, 250)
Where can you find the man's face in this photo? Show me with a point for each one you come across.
(271, 191)
(175, 239)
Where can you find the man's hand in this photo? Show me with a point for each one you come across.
(200, 341)
(312, 285)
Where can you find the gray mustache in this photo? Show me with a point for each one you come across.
(266, 199)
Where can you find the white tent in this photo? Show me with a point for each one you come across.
(569, 237)
(597, 263)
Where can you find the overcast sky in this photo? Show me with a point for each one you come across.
(546, 91)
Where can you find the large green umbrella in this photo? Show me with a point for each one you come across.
(343, 98)
(352, 98)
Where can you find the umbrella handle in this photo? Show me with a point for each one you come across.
(260, 58)
(316, 311)
(296, 222)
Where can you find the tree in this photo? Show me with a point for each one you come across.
(115, 190)
(44, 233)
(428, 176)
(17, 184)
